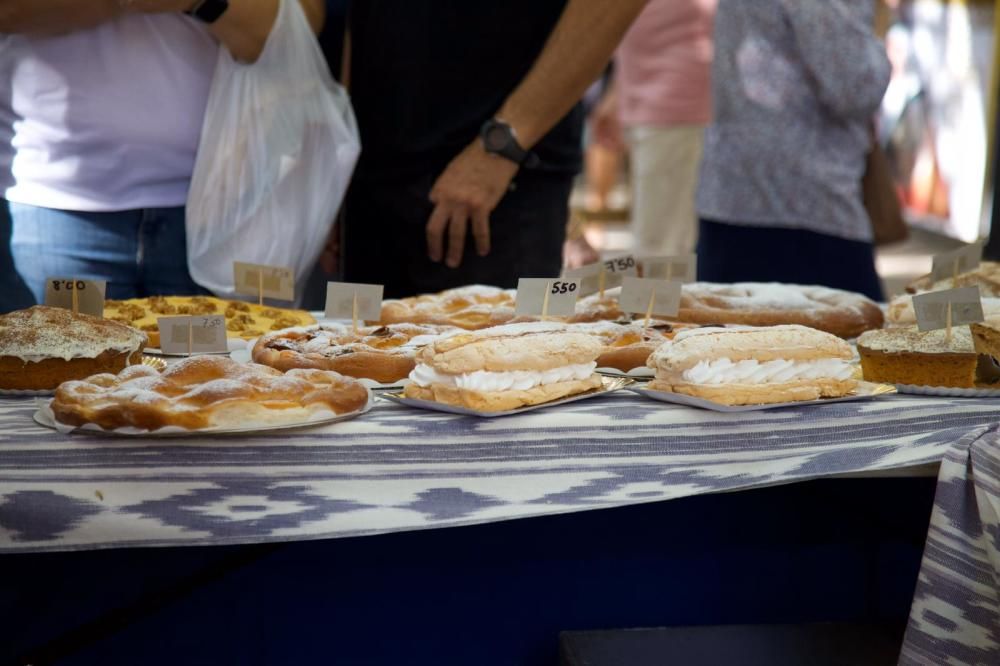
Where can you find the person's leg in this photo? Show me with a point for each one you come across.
(738, 253)
(163, 269)
(385, 240)
(94, 246)
(14, 294)
(664, 173)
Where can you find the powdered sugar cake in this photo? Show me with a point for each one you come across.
(206, 392)
(42, 347)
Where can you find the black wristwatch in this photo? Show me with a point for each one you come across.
(209, 11)
(499, 138)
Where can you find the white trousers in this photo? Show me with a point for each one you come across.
(663, 165)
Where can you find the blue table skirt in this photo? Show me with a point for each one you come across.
(835, 549)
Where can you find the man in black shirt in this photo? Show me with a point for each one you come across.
(470, 137)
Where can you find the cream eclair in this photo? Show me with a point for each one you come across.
(755, 365)
(506, 367)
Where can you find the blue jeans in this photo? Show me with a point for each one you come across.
(138, 252)
(14, 294)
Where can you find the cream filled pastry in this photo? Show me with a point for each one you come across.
(755, 365)
(506, 367)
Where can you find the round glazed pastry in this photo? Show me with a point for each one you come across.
(41, 347)
(841, 313)
(755, 365)
(204, 392)
(473, 307)
(381, 353)
(506, 367)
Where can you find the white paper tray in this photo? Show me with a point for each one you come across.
(610, 384)
(43, 416)
(949, 392)
(865, 391)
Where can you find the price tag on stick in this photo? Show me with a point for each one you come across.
(86, 296)
(548, 297)
(603, 275)
(650, 297)
(962, 260)
(947, 308)
(682, 267)
(198, 334)
(264, 281)
(357, 302)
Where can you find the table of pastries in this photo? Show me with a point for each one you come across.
(396, 469)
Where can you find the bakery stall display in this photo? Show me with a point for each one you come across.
(243, 320)
(986, 276)
(906, 355)
(506, 367)
(755, 365)
(842, 313)
(41, 347)
(472, 307)
(382, 353)
(206, 392)
(628, 345)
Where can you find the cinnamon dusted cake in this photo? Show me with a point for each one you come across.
(907, 355)
(41, 347)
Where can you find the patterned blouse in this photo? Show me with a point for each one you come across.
(795, 86)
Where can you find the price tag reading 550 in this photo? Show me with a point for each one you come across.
(548, 297)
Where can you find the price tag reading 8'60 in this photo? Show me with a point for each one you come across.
(89, 294)
(549, 297)
(264, 281)
(198, 334)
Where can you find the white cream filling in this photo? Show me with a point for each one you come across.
(750, 371)
(514, 380)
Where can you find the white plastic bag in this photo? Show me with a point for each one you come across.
(278, 146)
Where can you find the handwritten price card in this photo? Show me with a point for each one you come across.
(650, 297)
(347, 300)
(604, 274)
(86, 296)
(264, 281)
(200, 334)
(682, 267)
(548, 297)
(958, 261)
(947, 308)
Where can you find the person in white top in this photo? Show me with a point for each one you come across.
(101, 109)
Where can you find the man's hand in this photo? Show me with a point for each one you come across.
(467, 191)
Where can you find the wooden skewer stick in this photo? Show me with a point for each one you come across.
(602, 280)
(75, 297)
(354, 313)
(260, 287)
(545, 301)
(649, 309)
(190, 337)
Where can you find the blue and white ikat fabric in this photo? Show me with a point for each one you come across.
(398, 468)
(955, 616)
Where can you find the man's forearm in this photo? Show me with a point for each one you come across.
(53, 17)
(574, 56)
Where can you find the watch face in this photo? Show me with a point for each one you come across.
(496, 137)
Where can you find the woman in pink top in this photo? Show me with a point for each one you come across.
(661, 95)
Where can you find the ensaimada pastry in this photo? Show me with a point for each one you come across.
(755, 365)
(41, 347)
(506, 367)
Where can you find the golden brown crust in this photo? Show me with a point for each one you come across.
(473, 307)
(951, 369)
(760, 394)
(205, 392)
(243, 320)
(501, 401)
(986, 277)
(381, 353)
(841, 313)
(19, 375)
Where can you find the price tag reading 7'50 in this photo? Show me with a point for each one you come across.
(549, 297)
(603, 275)
(199, 334)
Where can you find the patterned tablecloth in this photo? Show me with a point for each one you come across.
(397, 468)
(955, 617)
